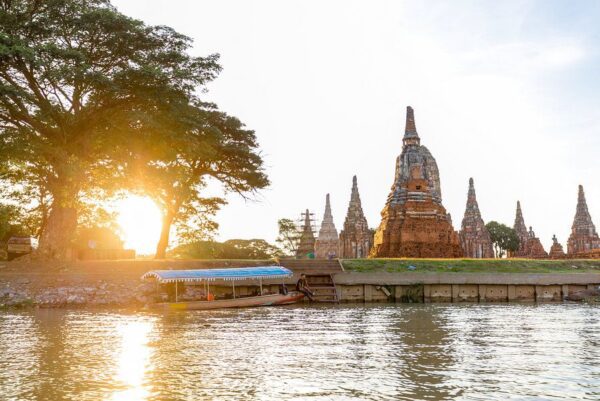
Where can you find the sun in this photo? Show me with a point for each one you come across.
(140, 221)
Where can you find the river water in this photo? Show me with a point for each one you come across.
(366, 352)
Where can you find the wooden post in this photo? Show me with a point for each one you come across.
(176, 295)
(233, 283)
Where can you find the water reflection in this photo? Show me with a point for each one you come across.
(411, 352)
(133, 361)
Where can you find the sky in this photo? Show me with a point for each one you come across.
(505, 92)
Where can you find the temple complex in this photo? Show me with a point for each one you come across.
(584, 238)
(521, 230)
(306, 248)
(356, 238)
(327, 242)
(556, 250)
(475, 239)
(533, 247)
(414, 222)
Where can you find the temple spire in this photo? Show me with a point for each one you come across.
(474, 237)
(471, 197)
(327, 208)
(583, 220)
(354, 196)
(411, 137)
(584, 239)
(327, 243)
(356, 237)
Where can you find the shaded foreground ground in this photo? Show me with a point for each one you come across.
(471, 265)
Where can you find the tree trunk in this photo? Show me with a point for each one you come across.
(58, 234)
(163, 242)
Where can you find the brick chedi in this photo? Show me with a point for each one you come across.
(327, 242)
(474, 237)
(521, 230)
(533, 247)
(356, 238)
(556, 250)
(584, 238)
(414, 223)
(306, 247)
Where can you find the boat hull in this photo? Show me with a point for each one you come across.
(263, 300)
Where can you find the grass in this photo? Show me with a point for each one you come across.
(472, 265)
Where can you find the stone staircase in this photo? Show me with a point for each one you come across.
(323, 287)
(319, 275)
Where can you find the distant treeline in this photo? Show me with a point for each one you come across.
(231, 249)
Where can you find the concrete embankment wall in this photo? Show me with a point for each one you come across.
(117, 283)
(461, 287)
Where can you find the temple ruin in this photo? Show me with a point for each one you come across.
(556, 250)
(306, 247)
(414, 222)
(474, 237)
(327, 242)
(533, 247)
(356, 238)
(584, 239)
(521, 230)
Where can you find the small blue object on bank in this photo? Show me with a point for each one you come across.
(411, 267)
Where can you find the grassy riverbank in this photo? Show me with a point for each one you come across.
(471, 265)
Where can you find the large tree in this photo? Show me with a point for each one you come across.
(75, 77)
(192, 145)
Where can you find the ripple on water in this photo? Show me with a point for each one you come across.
(378, 352)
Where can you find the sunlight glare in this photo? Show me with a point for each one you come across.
(140, 221)
(134, 361)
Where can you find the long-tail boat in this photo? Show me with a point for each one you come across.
(233, 275)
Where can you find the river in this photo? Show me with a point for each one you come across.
(345, 352)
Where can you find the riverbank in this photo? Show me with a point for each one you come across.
(117, 283)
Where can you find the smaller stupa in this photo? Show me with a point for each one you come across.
(584, 239)
(556, 250)
(521, 230)
(533, 247)
(306, 247)
(474, 237)
(327, 242)
(356, 238)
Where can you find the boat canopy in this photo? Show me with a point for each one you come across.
(240, 273)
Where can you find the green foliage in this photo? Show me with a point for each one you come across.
(192, 147)
(77, 80)
(9, 222)
(232, 249)
(289, 236)
(470, 266)
(503, 238)
(92, 101)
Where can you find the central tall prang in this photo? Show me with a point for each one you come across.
(414, 222)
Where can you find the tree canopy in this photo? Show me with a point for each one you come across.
(503, 238)
(289, 236)
(231, 249)
(91, 99)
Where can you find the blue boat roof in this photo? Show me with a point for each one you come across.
(240, 273)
